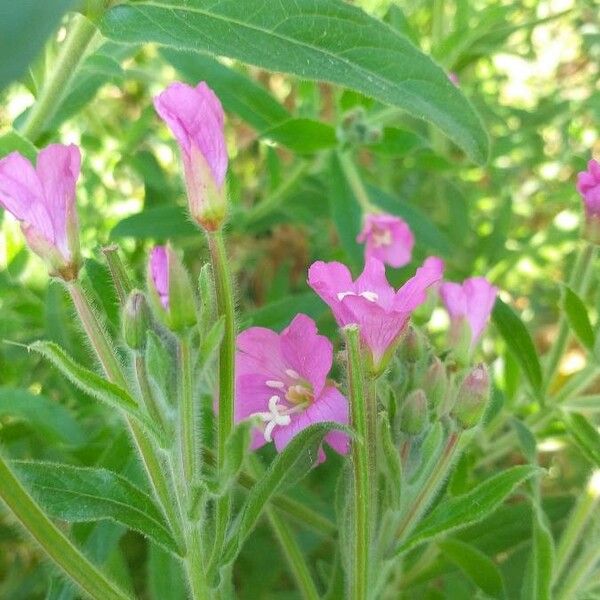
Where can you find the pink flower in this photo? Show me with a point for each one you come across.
(282, 379)
(472, 302)
(588, 185)
(159, 272)
(387, 238)
(43, 199)
(381, 312)
(195, 116)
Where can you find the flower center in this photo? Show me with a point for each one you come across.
(381, 237)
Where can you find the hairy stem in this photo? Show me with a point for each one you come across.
(71, 54)
(226, 310)
(360, 465)
(58, 547)
(187, 412)
(119, 275)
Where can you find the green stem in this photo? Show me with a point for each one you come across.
(111, 364)
(574, 529)
(294, 556)
(226, 310)
(579, 572)
(356, 185)
(580, 282)
(430, 488)
(194, 564)
(360, 464)
(152, 405)
(187, 412)
(71, 54)
(371, 407)
(58, 547)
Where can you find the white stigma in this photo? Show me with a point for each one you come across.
(273, 418)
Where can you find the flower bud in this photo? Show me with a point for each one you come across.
(472, 398)
(170, 288)
(412, 346)
(435, 384)
(135, 319)
(413, 414)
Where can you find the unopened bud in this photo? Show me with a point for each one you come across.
(435, 384)
(413, 415)
(412, 346)
(472, 398)
(170, 289)
(135, 319)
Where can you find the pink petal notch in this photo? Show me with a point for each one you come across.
(281, 382)
(469, 306)
(588, 185)
(43, 200)
(195, 117)
(381, 313)
(387, 238)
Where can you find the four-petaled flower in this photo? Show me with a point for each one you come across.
(281, 378)
(469, 305)
(195, 116)
(387, 238)
(43, 200)
(370, 302)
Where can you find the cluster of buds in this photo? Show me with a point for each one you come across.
(355, 129)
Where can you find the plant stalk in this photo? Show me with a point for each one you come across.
(58, 547)
(71, 54)
(360, 466)
(187, 412)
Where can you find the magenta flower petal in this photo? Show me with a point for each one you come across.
(387, 238)
(414, 292)
(330, 406)
(281, 381)
(159, 271)
(43, 199)
(331, 281)
(588, 185)
(307, 353)
(472, 301)
(195, 116)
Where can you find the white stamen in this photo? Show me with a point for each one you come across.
(291, 373)
(342, 295)
(370, 296)
(276, 385)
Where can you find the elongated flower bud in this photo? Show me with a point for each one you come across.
(473, 395)
(435, 384)
(170, 289)
(135, 320)
(413, 415)
(195, 116)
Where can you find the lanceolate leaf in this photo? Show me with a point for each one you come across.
(327, 40)
(519, 342)
(476, 565)
(469, 508)
(79, 494)
(585, 435)
(90, 382)
(538, 575)
(288, 467)
(578, 318)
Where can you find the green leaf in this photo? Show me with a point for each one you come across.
(15, 142)
(157, 223)
(303, 136)
(91, 383)
(81, 494)
(160, 365)
(278, 314)
(586, 436)
(537, 582)
(211, 341)
(392, 464)
(165, 575)
(287, 468)
(398, 142)
(476, 565)
(469, 508)
(24, 28)
(237, 92)
(519, 342)
(48, 418)
(578, 318)
(324, 40)
(526, 439)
